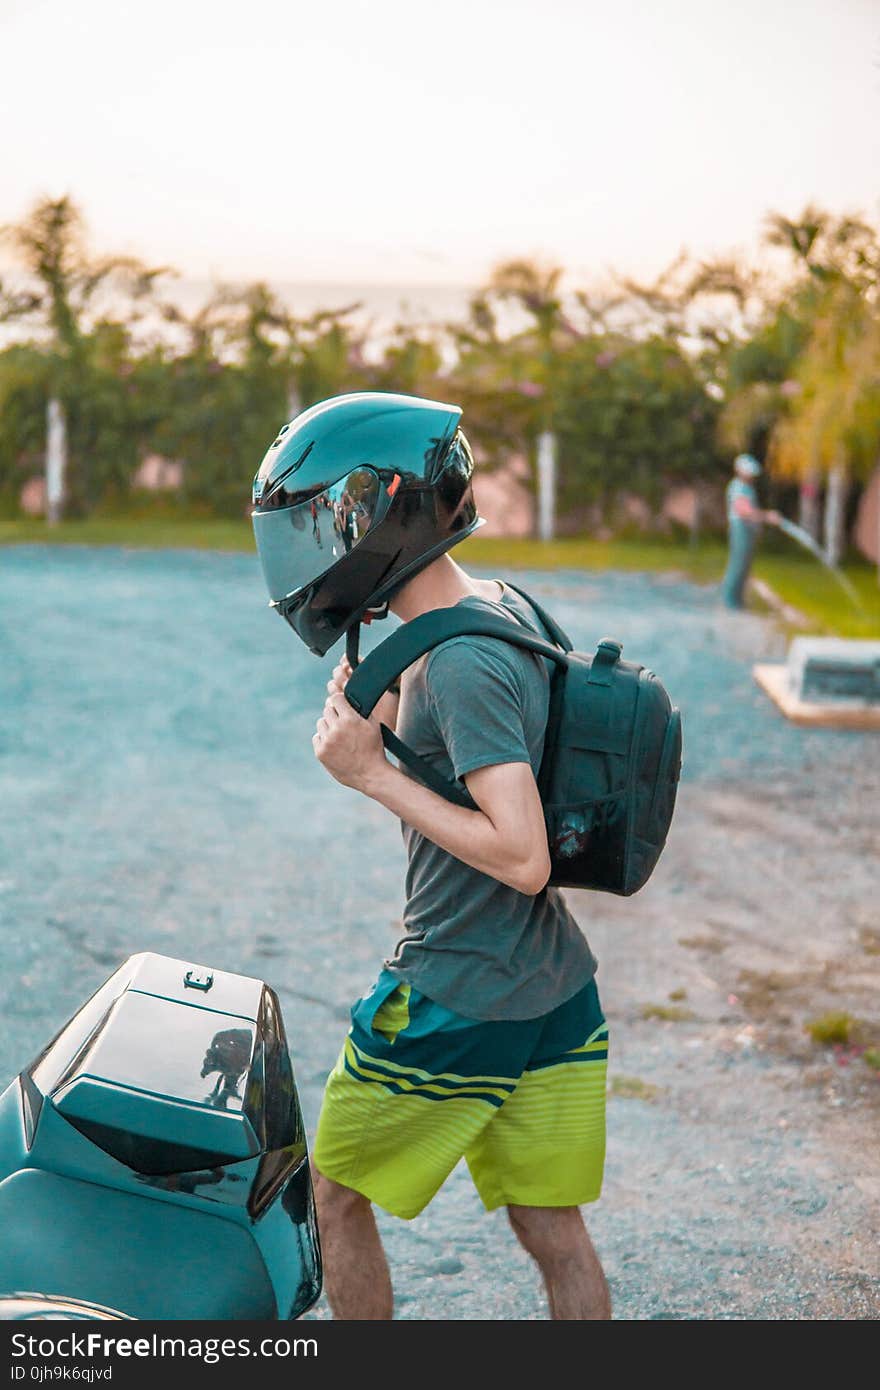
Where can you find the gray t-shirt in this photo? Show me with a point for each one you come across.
(473, 944)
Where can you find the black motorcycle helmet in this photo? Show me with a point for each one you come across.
(355, 496)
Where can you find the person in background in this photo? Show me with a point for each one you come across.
(744, 518)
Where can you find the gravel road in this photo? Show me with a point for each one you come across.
(159, 792)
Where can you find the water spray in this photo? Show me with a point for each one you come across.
(803, 538)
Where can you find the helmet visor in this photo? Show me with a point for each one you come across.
(299, 543)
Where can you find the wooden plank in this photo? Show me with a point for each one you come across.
(773, 680)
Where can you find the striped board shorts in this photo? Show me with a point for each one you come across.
(417, 1087)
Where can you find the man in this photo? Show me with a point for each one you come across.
(483, 1037)
(744, 518)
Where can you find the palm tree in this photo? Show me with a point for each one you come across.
(64, 280)
(62, 296)
(826, 430)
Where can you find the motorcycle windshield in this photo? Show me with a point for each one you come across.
(298, 544)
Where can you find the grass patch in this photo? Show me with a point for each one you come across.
(851, 1038)
(677, 994)
(702, 943)
(668, 1013)
(703, 563)
(799, 580)
(632, 1088)
(834, 1027)
(759, 989)
(808, 586)
(150, 533)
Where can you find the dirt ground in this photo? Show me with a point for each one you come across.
(159, 793)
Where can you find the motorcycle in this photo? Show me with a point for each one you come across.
(153, 1159)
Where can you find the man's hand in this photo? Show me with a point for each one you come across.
(348, 746)
(339, 680)
(506, 837)
(386, 705)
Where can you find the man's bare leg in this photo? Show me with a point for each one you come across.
(557, 1240)
(356, 1274)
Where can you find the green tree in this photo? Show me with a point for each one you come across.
(508, 381)
(82, 310)
(633, 418)
(327, 355)
(24, 391)
(411, 363)
(830, 428)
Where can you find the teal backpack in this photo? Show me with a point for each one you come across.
(612, 751)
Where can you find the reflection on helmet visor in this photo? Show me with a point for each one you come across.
(300, 543)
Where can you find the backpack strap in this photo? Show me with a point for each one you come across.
(557, 633)
(412, 640)
(450, 789)
(557, 684)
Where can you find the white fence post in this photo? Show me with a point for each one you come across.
(546, 485)
(835, 510)
(56, 460)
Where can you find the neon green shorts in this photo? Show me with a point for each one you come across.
(417, 1087)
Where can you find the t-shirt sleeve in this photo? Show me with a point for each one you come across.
(477, 702)
(738, 488)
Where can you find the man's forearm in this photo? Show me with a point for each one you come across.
(469, 835)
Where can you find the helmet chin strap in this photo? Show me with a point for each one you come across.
(353, 635)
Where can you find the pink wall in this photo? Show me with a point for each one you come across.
(504, 500)
(866, 532)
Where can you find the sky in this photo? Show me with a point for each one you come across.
(406, 144)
